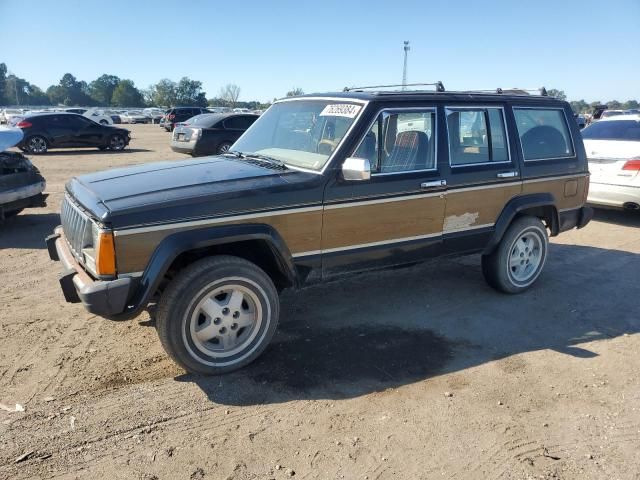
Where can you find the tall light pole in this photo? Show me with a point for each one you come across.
(404, 70)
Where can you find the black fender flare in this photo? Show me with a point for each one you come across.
(513, 208)
(184, 241)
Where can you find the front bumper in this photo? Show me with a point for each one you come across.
(615, 196)
(104, 298)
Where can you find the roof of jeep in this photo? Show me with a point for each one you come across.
(413, 95)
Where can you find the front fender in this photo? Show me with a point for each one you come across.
(173, 245)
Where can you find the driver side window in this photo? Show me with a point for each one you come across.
(400, 142)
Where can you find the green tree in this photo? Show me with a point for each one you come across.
(579, 106)
(101, 89)
(164, 93)
(559, 94)
(614, 105)
(70, 91)
(294, 92)
(189, 92)
(127, 95)
(630, 104)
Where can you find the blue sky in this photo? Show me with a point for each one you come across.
(587, 48)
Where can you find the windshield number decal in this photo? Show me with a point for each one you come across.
(340, 110)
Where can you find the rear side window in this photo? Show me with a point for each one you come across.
(476, 136)
(628, 130)
(240, 123)
(544, 133)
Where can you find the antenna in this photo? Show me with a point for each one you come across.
(404, 70)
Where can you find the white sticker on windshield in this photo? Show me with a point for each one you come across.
(340, 110)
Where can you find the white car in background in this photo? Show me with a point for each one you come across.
(8, 114)
(98, 116)
(613, 151)
(133, 116)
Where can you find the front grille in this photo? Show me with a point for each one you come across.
(76, 227)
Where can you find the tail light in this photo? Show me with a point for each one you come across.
(632, 164)
(24, 124)
(172, 116)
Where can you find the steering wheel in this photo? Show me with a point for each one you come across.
(326, 146)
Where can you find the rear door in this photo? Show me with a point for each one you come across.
(396, 216)
(59, 129)
(482, 173)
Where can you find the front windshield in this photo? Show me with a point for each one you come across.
(300, 133)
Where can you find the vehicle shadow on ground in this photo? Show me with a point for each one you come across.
(628, 218)
(27, 230)
(384, 330)
(86, 151)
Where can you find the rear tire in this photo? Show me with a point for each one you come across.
(104, 122)
(217, 315)
(519, 258)
(223, 148)
(36, 144)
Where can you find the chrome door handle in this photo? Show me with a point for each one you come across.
(507, 174)
(434, 184)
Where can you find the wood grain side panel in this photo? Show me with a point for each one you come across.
(477, 207)
(562, 190)
(301, 232)
(378, 222)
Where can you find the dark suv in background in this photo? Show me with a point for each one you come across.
(210, 133)
(43, 131)
(180, 114)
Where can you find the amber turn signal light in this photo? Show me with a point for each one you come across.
(105, 254)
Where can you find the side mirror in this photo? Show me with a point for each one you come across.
(356, 169)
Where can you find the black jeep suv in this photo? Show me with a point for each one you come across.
(321, 185)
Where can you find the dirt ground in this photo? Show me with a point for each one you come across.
(415, 373)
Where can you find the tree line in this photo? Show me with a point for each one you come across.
(580, 106)
(113, 91)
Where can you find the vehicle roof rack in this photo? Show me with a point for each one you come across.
(439, 86)
(542, 91)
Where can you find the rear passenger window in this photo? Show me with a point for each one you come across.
(544, 133)
(238, 123)
(476, 136)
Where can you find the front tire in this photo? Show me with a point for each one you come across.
(217, 315)
(117, 143)
(518, 260)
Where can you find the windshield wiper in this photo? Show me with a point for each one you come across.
(257, 156)
(265, 158)
(235, 153)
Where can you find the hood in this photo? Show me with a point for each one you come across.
(9, 137)
(166, 191)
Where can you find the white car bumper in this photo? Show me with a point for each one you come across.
(613, 195)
